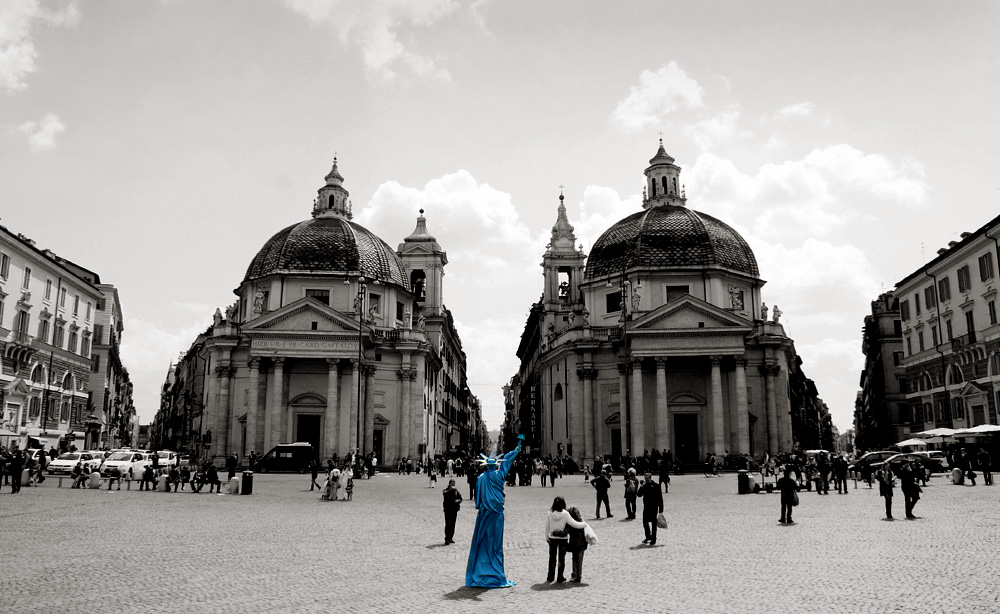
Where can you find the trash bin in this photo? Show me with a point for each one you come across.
(234, 485)
(246, 483)
(742, 482)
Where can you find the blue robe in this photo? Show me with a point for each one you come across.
(485, 568)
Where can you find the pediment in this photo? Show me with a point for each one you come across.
(17, 387)
(615, 418)
(972, 389)
(300, 315)
(688, 313)
(686, 398)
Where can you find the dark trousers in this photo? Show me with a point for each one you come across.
(112, 480)
(888, 507)
(842, 484)
(449, 524)
(15, 481)
(577, 573)
(630, 506)
(987, 477)
(786, 511)
(910, 498)
(557, 554)
(649, 524)
(665, 482)
(603, 496)
(472, 491)
(232, 474)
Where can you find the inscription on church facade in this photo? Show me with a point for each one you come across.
(304, 344)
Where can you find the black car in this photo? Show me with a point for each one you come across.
(872, 461)
(286, 457)
(929, 465)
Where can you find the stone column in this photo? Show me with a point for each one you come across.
(773, 435)
(224, 372)
(623, 405)
(742, 418)
(332, 405)
(369, 409)
(272, 418)
(718, 420)
(406, 376)
(587, 374)
(662, 410)
(354, 407)
(638, 410)
(416, 425)
(783, 407)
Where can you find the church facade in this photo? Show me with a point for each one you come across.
(658, 339)
(335, 339)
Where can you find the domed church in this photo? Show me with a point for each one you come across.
(657, 340)
(335, 339)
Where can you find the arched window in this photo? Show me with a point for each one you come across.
(557, 394)
(928, 414)
(664, 182)
(925, 382)
(955, 375)
(418, 281)
(34, 407)
(38, 375)
(64, 412)
(652, 188)
(67, 383)
(331, 202)
(995, 364)
(675, 185)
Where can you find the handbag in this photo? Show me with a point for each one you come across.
(661, 521)
(590, 535)
(795, 498)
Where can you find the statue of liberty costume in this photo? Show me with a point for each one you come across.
(485, 568)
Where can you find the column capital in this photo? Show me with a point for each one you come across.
(770, 369)
(636, 363)
(409, 374)
(716, 359)
(279, 362)
(253, 362)
(368, 369)
(354, 363)
(225, 371)
(333, 364)
(586, 373)
(661, 362)
(741, 362)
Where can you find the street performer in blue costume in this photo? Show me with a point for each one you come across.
(485, 569)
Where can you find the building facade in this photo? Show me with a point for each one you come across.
(657, 340)
(882, 415)
(335, 339)
(48, 310)
(951, 336)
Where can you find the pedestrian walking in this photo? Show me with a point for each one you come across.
(212, 478)
(789, 495)
(15, 466)
(431, 475)
(652, 504)
(556, 523)
(909, 487)
(314, 470)
(553, 473)
(349, 487)
(602, 484)
(185, 476)
(231, 461)
(631, 492)
(471, 475)
(985, 467)
(885, 484)
(452, 503)
(664, 470)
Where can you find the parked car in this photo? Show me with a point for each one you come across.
(130, 463)
(932, 465)
(937, 455)
(98, 457)
(166, 459)
(872, 461)
(286, 457)
(65, 462)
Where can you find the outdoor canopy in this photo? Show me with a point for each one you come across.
(912, 442)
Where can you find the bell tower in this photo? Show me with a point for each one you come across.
(663, 182)
(424, 261)
(563, 266)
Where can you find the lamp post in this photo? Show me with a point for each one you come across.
(625, 285)
(360, 303)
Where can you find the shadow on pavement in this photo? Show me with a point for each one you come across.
(557, 586)
(466, 593)
(645, 546)
(432, 546)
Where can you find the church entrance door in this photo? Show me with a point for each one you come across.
(616, 442)
(307, 429)
(686, 438)
(377, 444)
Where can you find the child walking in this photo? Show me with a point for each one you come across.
(349, 489)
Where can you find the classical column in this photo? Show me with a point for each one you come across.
(353, 422)
(783, 408)
(272, 418)
(662, 411)
(416, 425)
(718, 421)
(406, 375)
(770, 371)
(253, 404)
(369, 408)
(332, 405)
(224, 372)
(623, 405)
(587, 374)
(742, 417)
(638, 410)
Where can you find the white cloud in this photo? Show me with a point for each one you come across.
(658, 93)
(18, 19)
(714, 131)
(799, 109)
(42, 134)
(375, 26)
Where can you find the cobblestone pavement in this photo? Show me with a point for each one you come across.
(283, 550)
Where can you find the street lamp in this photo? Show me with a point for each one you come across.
(359, 306)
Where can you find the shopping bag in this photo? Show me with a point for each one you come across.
(590, 535)
(661, 521)
(795, 498)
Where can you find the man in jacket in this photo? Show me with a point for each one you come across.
(652, 504)
(452, 503)
(602, 484)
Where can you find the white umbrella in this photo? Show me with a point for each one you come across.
(979, 430)
(912, 442)
(938, 432)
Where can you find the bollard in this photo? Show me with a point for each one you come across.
(234, 485)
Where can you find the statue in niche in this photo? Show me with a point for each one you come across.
(636, 297)
(777, 314)
(572, 319)
(371, 313)
(217, 317)
(735, 298)
(421, 321)
(258, 302)
(763, 311)
(586, 318)
(407, 319)
(357, 303)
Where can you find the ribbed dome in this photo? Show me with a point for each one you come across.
(669, 236)
(328, 244)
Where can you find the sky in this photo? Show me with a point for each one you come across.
(161, 143)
